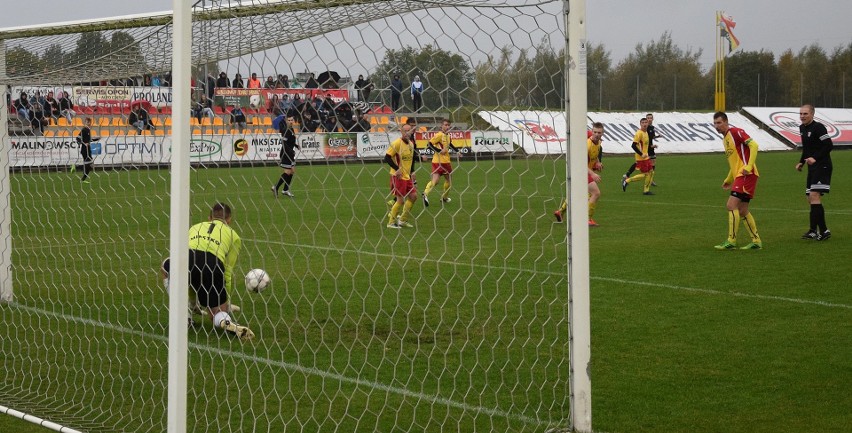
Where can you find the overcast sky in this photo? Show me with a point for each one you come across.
(774, 25)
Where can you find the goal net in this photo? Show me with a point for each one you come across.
(451, 317)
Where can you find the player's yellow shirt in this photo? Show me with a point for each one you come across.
(403, 155)
(741, 151)
(221, 240)
(441, 141)
(641, 137)
(594, 152)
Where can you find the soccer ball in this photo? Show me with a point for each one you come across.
(257, 280)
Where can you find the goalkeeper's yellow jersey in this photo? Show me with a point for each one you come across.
(218, 238)
(441, 141)
(403, 155)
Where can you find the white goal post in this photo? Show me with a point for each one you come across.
(466, 310)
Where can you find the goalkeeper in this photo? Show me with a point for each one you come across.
(213, 251)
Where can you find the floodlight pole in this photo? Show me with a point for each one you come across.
(6, 293)
(578, 227)
(179, 220)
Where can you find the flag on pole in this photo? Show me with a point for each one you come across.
(726, 30)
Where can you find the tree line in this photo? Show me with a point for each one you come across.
(656, 76)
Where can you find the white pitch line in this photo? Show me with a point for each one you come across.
(531, 271)
(311, 371)
(719, 292)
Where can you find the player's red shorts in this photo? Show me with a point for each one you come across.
(402, 187)
(590, 178)
(645, 166)
(442, 168)
(744, 186)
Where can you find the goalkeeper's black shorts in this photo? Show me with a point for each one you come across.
(206, 277)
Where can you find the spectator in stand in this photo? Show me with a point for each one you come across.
(362, 125)
(51, 105)
(284, 81)
(37, 112)
(328, 104)
(312, 82)
(203, 107)
(66, 106)
(286, 103)
(140, 119)
(223, 80)
(396, 92)
(238, 82)
(416, 93)
(238, 118)
(22, 105)
(309, 122)
(155, 81)
(363, 87)
(330, 124)
(274, 106)
(254, 82)
(270, 83)
(296, 108)
(210, 86)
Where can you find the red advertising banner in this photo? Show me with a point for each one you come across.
(460, 138)
(257, 98)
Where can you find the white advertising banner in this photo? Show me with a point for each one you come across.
(373, 145)
(785, 121)
(491, 141)
(542, 132)
(677, 132)
(100, 95)
(537, 132)
(118, 150)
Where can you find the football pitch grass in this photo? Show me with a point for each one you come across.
(367, 328)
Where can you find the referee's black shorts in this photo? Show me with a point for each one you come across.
(206, 277)
(819, 179)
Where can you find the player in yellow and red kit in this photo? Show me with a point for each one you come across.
(742, 178)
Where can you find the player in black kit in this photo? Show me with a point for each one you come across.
(288, 157)
(85, 140)
(816, 154)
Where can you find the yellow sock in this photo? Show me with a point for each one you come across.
(733, 225)
(406, 210)
(564, 206)
(592, 209)
(636, 177)
(752, 228)
(428, 188)
(393, 213)
(649, 177)
(446, 190)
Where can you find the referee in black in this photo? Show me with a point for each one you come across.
(287, 156)
(816, 154)
(85, 140)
